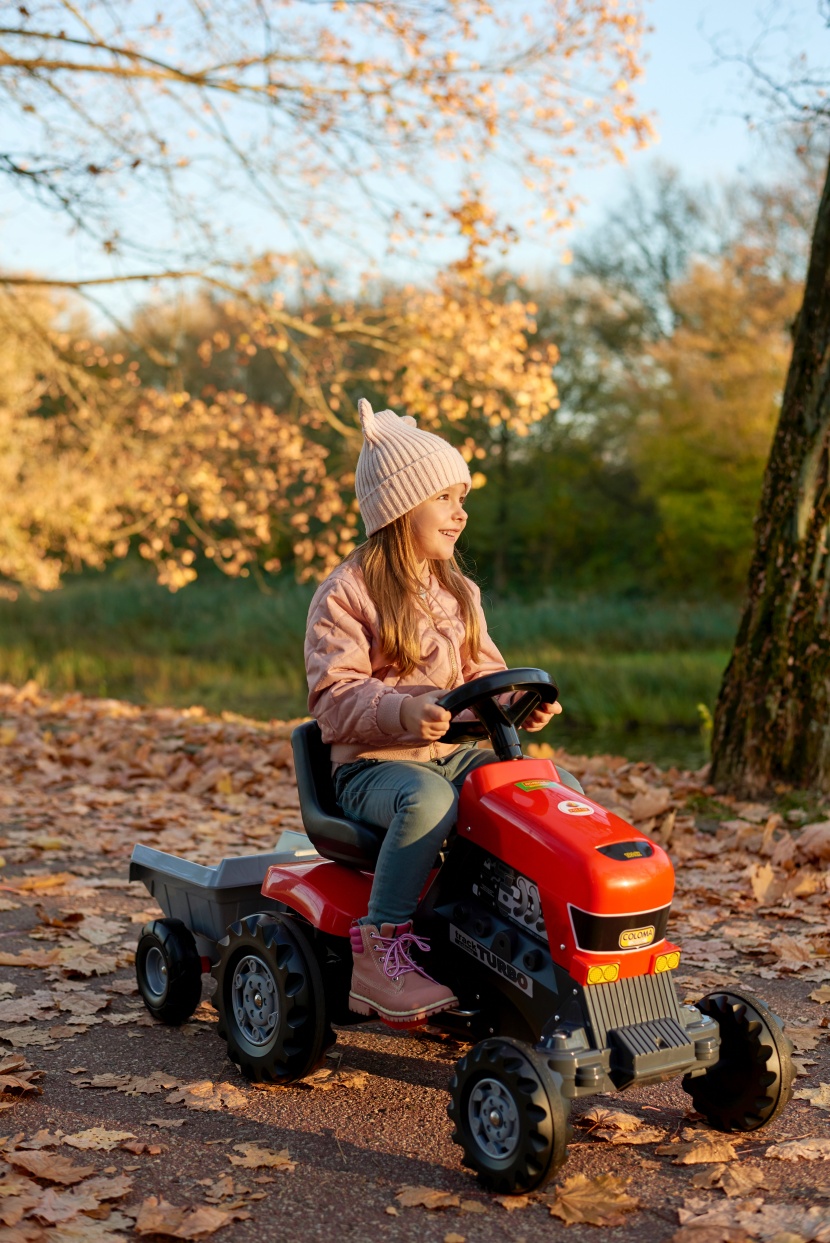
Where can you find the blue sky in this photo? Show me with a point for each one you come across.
(698, 105)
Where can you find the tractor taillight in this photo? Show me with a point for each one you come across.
(667, 962)
(605, 974)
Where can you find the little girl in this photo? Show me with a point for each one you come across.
(390, 630)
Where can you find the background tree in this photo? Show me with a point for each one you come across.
(772, 723)
(168, 143)
(772, 720)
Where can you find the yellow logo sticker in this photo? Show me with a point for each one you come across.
(636, 938)
(572, 808)
(535, 784)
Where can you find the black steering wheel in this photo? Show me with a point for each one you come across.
(497, 721)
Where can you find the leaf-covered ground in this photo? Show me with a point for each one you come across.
(113, 1127)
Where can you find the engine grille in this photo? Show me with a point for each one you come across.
(625, 1002)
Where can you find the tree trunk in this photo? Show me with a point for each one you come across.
(772, 721)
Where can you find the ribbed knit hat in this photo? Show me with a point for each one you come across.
(400, 466)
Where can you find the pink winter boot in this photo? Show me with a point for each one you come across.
(385, 980)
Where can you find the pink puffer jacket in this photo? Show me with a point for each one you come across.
(356, 695)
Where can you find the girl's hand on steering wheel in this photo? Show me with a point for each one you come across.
(420, 715)
(539, 717)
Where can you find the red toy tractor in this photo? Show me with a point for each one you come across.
(547, 918)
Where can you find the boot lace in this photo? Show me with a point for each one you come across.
(396, 954)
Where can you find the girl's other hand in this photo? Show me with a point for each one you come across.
(539, 717)
(420, 715)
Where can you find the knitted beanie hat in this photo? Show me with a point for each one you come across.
(400, 466)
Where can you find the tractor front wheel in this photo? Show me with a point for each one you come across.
(509, 1114)
(752, 1080)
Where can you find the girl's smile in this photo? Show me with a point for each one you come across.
(437, 523)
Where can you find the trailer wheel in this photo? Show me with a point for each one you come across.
(272, 1008)
(168, 970)
(752, 1081)
(509, 1114)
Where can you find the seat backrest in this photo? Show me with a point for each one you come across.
(335, 837)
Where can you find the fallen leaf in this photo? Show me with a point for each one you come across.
(452, 1237)
(767, 884)
(24, 1037)
(60, 1205)
(30, 958)
(818, 1097)
(821, 994)
(734, 1180)
(109, 1188)
(328, 1077)
(138, 1147)
(813, 842)
(17, 1195)
(426, 1197)
(256, 1158)
(50, 1166)
(599, 1201)
(472, 1206)
(160, 1217)
(97, 1138)
(805, 1038)
(166, 1122)
(800, 1149)
(609, 1119)
(205, 1095)
(512, 1203)
(715, 1150)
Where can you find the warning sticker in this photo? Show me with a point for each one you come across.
(572, 808)
(536, 784)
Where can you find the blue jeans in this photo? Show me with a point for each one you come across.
(417, 803)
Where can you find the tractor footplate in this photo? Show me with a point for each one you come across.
(656, 1048)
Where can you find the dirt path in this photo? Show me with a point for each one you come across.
(132, 1112)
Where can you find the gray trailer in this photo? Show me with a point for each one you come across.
(199, 904)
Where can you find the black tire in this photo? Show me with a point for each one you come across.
(272, 1008)
(168, 970)
(527, 1143)
(752, 1080)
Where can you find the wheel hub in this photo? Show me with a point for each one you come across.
(255, 999)
(155, 972)
(494, 1118)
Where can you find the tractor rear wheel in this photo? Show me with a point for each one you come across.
(752, 1080)
(270, 999)
(509, 1114)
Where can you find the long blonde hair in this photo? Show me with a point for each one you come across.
(390, 570)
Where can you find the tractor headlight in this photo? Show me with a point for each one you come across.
(605, 974)
(667, 962)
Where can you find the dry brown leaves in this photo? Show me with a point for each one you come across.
(256, 1158)
(17, 1078)
(600, 1201)
(206, 1095)
(618, 1127)
(55, 1168)
(157, 1216)
(427, 1197)
(97, 1138)
(704, 1152)
(703, 1222)
(800, 1150)
(76, 1202)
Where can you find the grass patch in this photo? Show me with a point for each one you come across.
(620, 665)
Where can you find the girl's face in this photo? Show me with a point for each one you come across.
(437, 523)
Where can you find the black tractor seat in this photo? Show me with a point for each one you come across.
(332, 835)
